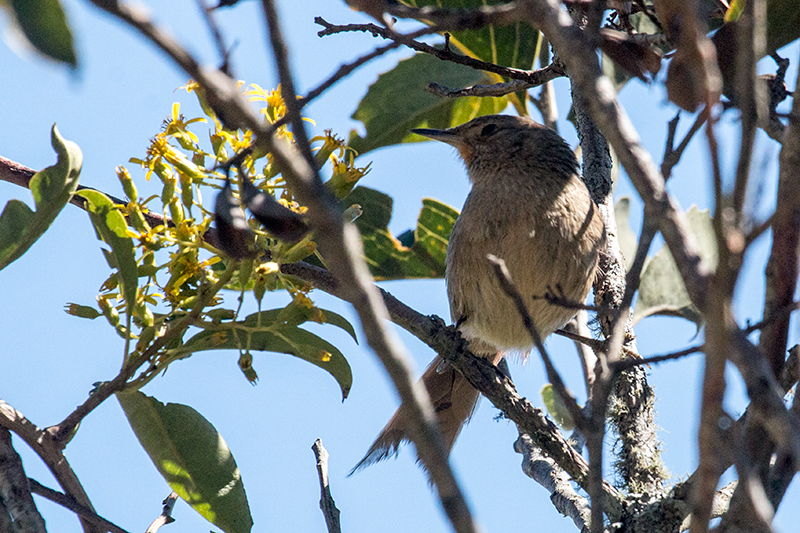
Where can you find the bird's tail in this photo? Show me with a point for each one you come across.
(454, 401)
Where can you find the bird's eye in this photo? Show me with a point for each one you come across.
(488, 130)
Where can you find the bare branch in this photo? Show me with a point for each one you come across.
(19, 174)
(534, 78)
(543, 76)
(458, 19)
(62, 431)
(549, 475)
(341, 247)
(326, 502)
(224, 53)
(50, 452)
(503, 276)
(783, 263)
(672, 155)
(624, 364)
(15, 491)
(166, 514)
(69, 503)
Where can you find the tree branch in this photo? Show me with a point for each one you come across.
(341, 247)
(69, 503)
(15, 491)
(533, 78)
(166, 514)
(552, 477)
(326, 503)
(42, 443)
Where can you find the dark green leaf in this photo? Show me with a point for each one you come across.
(422, 255)
(45, 26)
(192, 457)
(273, 334)
(51, 188)
(112, 228)
(399, 101)
(661, 291)
(433, 230)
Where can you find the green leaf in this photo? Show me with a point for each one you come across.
(424, 254)
(44, 24)
(625, 235)
(298, 312)
(556, 408)
(112, 229)
(274, 334)
(661, 291)
(192, 457)
(433, 230)
(51, 188)
(399, 101)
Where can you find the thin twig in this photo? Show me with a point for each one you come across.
(69, 503)
(62, 431)
(672, 155)
(531, 77)
(326, 503)
(458, 19)
(217, 34)
(624, 364)
(166, 514)
(506, 283)
(542, 76)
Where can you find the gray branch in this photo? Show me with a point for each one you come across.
(326, 503)
(15, 491)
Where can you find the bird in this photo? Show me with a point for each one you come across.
(528, 206)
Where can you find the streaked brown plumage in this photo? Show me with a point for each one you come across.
(529, 207)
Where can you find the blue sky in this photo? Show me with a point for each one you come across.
(111, 106)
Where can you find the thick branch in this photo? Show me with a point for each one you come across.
(15, 491)
(782, 266)
(42, 443)
(548, 474)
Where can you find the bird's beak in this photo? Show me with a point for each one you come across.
(446, 136)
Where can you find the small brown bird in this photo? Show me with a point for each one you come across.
(529, 207)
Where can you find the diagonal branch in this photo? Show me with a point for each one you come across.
(69, 503)
(15, 491)
(341, 246)
(50, 452)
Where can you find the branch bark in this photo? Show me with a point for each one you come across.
(42, 443)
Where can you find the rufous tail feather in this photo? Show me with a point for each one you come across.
(454, 401)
